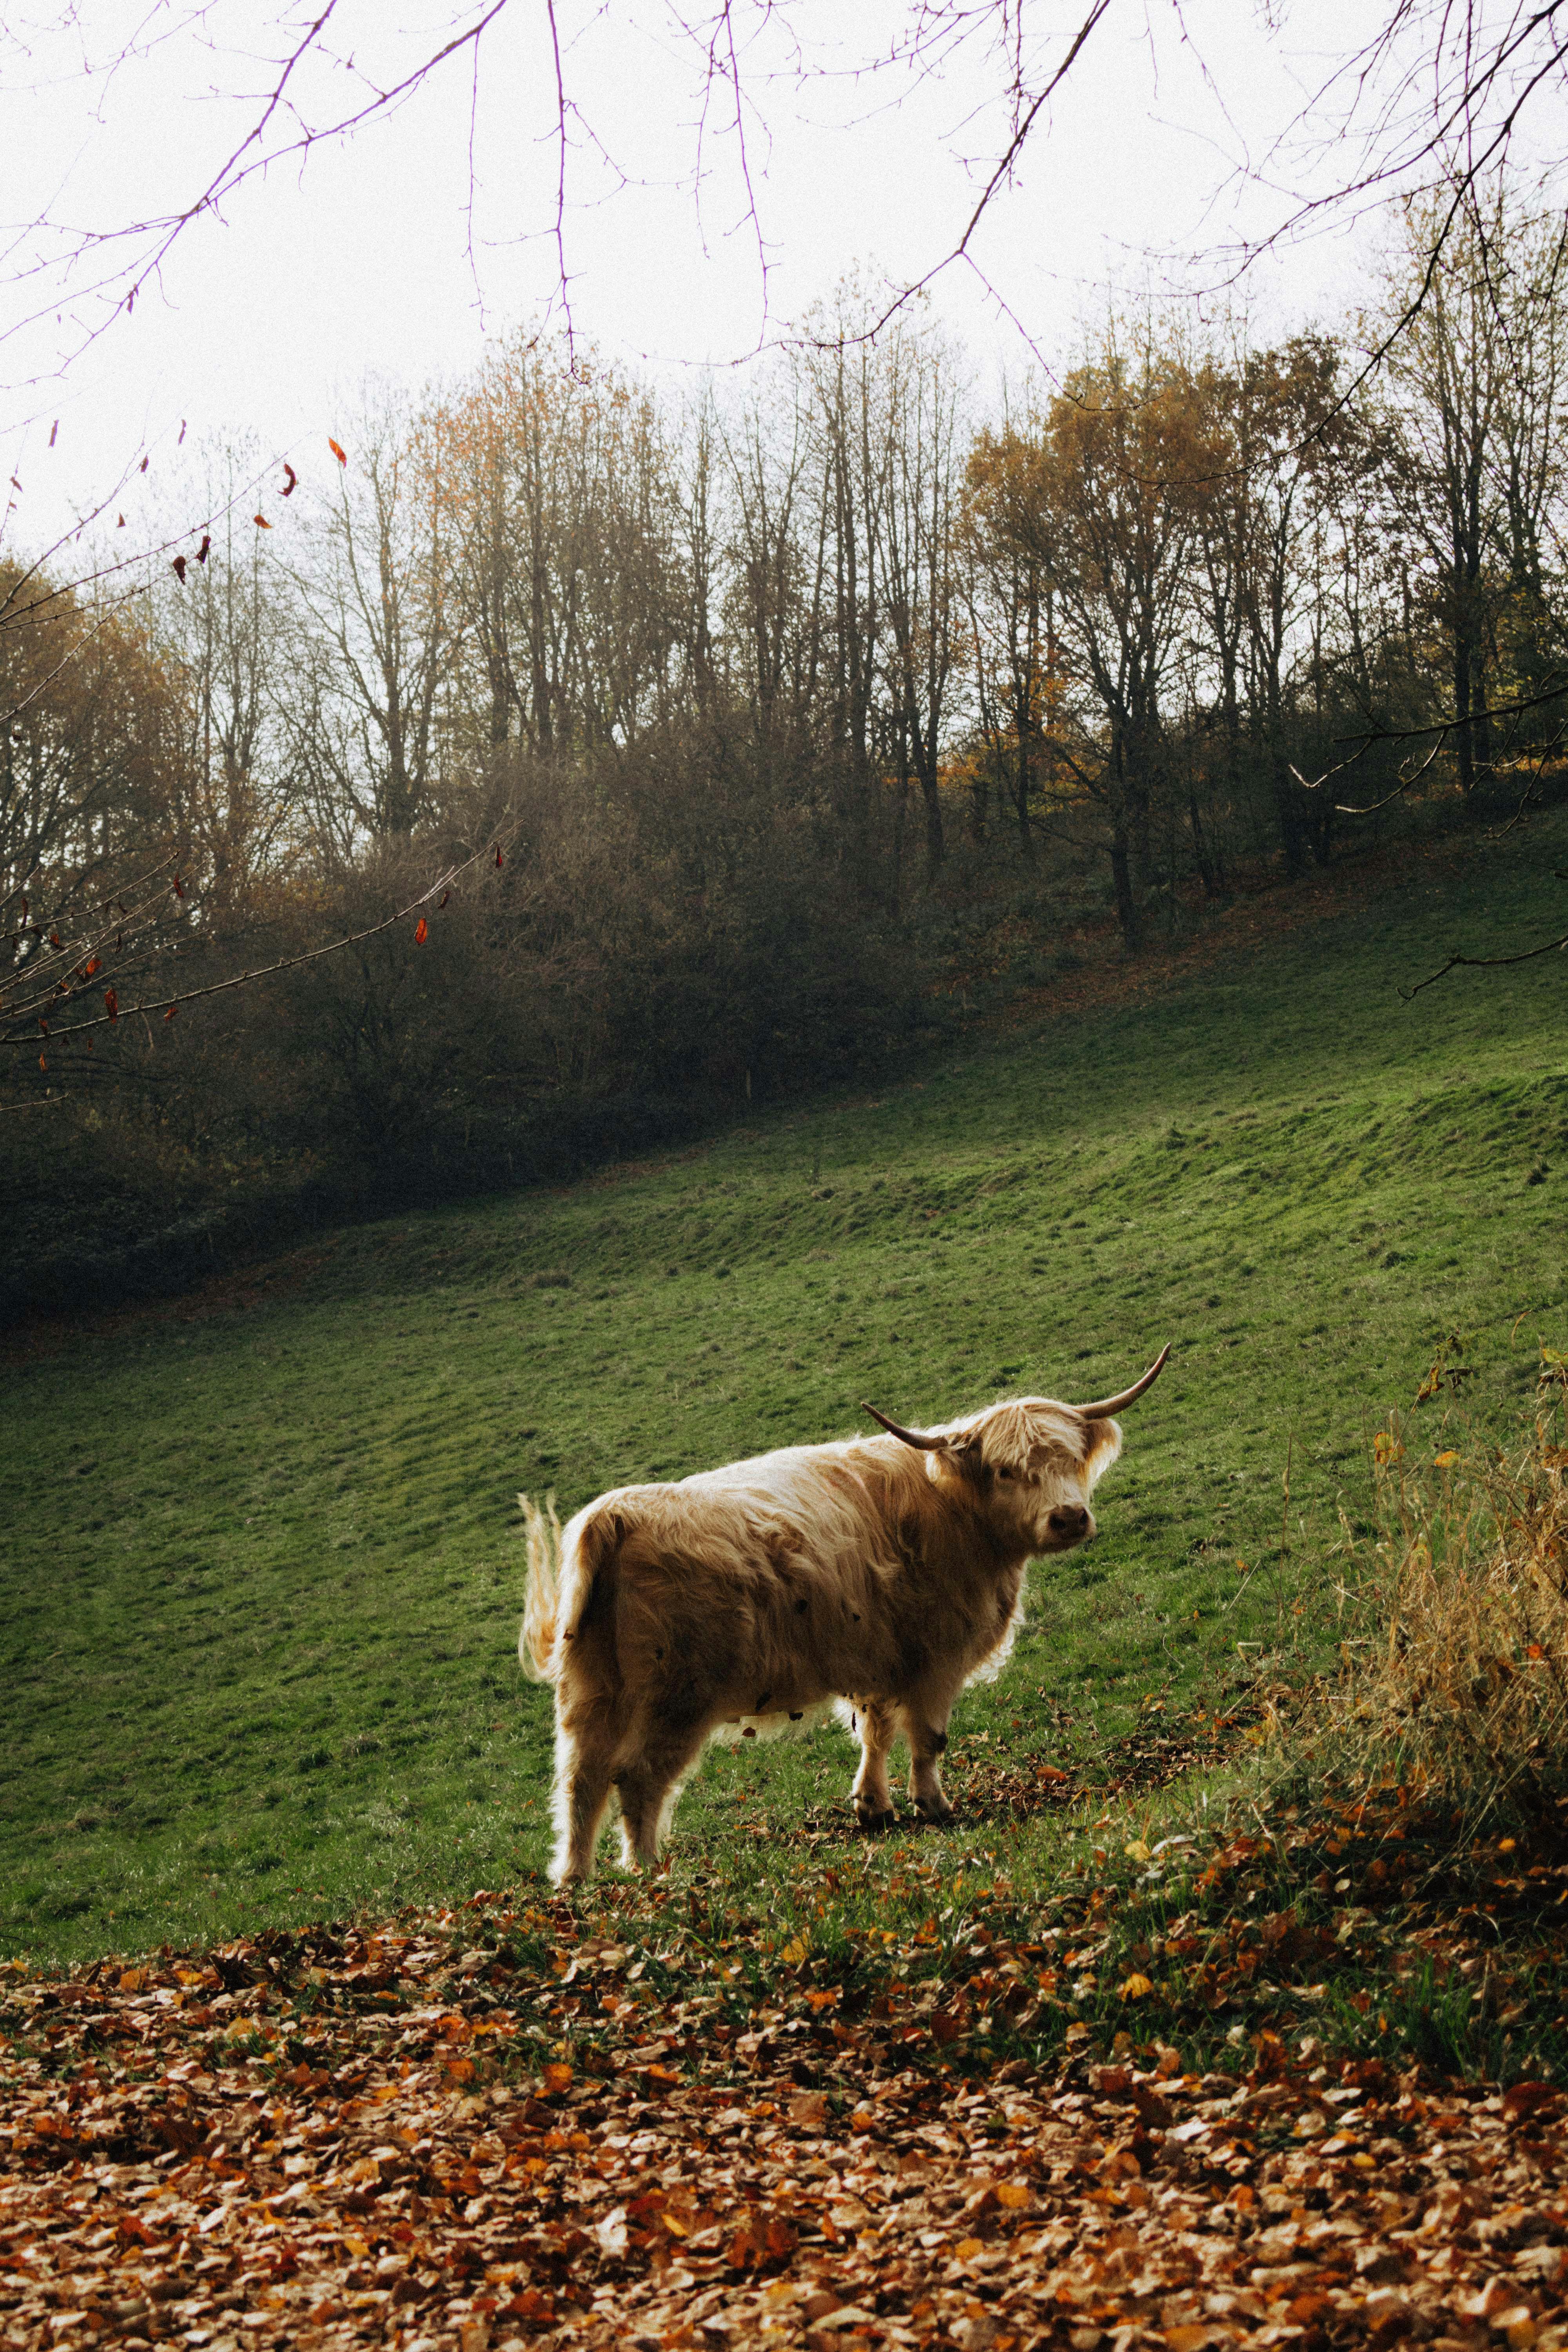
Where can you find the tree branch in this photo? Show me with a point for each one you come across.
(166, 1005)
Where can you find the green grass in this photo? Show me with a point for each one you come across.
(262, 1579)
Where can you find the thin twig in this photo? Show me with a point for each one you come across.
(1485, 963)
(264, 971)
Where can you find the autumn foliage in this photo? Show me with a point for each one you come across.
(785, 728)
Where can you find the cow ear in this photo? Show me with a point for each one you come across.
(1101, 1444)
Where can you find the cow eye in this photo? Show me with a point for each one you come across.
(1005, 1474)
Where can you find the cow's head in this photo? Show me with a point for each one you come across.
(1035, 1460)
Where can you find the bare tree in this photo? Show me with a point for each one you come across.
(380, 627)
(1008, 594)
(919, 590)
(841, 377)
(225, 626)
(563, 523)
(1123, 453)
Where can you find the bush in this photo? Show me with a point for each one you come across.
(1461, 1688)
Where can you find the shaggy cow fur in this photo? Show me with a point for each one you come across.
(882, 1572)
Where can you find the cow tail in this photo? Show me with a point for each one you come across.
(571, 1591)
(536, 1641)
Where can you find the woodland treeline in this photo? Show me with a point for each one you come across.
(798, 716)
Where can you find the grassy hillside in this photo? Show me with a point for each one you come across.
(260, 1573)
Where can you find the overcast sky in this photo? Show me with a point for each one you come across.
(397, 252)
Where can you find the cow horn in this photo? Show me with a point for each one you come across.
(1105, 1406)
(910, 1436)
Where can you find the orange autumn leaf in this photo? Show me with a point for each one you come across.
(339, 452)
(421, 932)
(112, 1003)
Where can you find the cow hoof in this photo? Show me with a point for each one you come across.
(936, 1816)
(871, 1821)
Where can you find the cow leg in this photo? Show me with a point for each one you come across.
(873, 1803)
(648, 1788)
(925, 1724)
(583, 1764)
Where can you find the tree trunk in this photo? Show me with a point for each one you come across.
(1201, 858)
(936, 846)
(1462, 743)
(1122, 880)
(896, 887)
(979, 802)
(1025, 838)
(1288, 809)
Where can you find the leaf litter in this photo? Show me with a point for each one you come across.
(640, 2118)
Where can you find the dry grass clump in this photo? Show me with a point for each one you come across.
(1462, 1686)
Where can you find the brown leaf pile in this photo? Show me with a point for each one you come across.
(356, 2137)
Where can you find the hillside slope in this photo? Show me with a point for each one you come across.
(261, 1582)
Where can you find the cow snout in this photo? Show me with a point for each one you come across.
(1070, 1523)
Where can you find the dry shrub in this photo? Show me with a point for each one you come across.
(1462, 1686)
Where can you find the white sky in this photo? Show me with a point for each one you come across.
(366, 260)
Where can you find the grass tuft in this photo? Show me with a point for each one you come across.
(1461, 1688)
